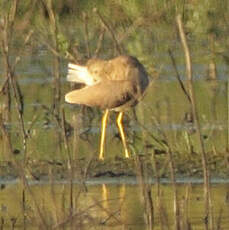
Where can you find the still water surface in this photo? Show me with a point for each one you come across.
(109, 206)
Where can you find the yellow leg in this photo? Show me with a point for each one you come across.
(103, 132)
(121, 131)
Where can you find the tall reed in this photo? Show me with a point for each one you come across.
(208, 213)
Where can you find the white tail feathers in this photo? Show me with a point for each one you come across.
(76, 67)
(79, 74)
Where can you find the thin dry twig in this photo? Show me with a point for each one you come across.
(100, 42)
(178, 76)
(145, 190)
(4, 85)
(227, 116)
(48, 5)
(137, 23)
(107, 211)
(77, 215)
(70, 161)
(110, 30)
(85, 18)
(64, 134)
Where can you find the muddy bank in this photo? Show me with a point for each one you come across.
(85, 168)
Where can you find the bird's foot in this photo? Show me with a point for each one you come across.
(101, 157)
(127, 155)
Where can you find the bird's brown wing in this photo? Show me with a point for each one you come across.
(106, 94)
(123, 68)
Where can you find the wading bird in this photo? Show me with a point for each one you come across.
(114, 84)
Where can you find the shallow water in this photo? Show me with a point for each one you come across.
(109, 204)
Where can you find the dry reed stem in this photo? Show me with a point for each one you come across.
(75, 119)
(160, 209)
(227, 116)
(4, 85)
(56, 86)
(175, 192)
(145, 187)
(156, 172)
(219, 219)
(7, 29)
(149, 132)
(86, 37)
(163, 217)
(208, 218)
(178, 76)
(186, 223)
(24, 208)
(212, 70)
(10, 73)
(55, 210)
(137, 23)
(81, 172)
(78, 215)
(2, 223)
(107, 211)
(50, 48)
(56, 61)
(64, 134)
(110, 30)
(172, 166)
(21, 172)
(100, 42)
(169, 152)
(70, 161)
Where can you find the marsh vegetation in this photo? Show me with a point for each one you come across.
(180, 129)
